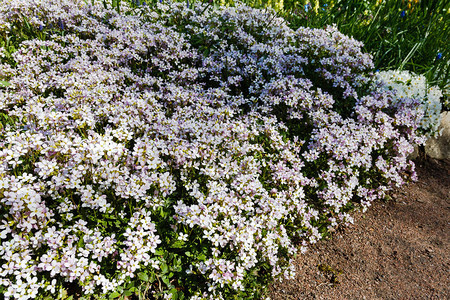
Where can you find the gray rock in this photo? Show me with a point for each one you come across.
(439, 148)
(415, 154)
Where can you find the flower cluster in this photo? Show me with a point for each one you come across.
(217, 135)
(407, 85)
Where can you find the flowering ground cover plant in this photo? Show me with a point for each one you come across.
(409, 85)
(406, 35)
(182, 151)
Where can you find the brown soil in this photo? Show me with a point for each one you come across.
(398, 249)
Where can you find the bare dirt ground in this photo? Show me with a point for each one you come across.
(398, 249)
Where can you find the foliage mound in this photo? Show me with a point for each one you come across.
(182, 151)
(405, 35)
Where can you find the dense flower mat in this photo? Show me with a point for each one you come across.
(183, 151)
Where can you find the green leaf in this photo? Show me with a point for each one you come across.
(114, 295)
(130, 285)
(152, 277)
(127, 293)
(174, 293)
(159, 252)
(178, 244)
(80, 243)
(166, 280)
(143, 276)
(201, 257)
(164, 268)
(4, 83)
